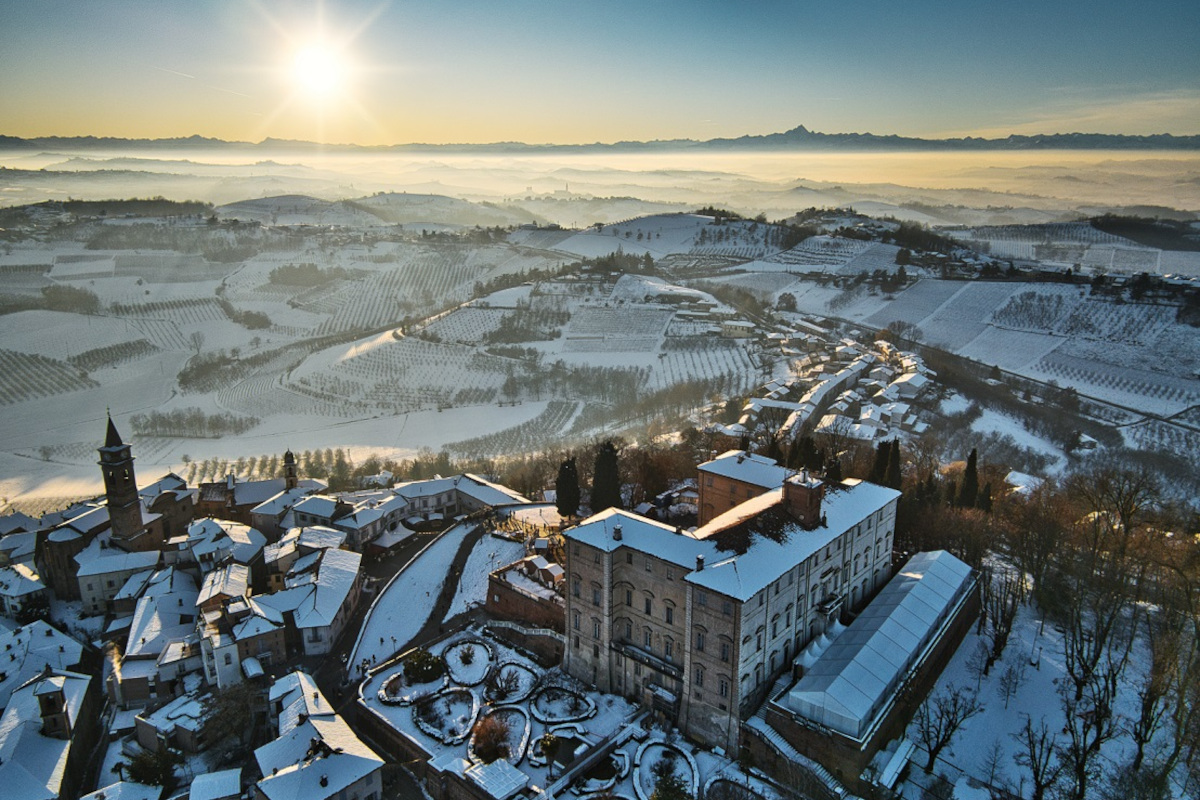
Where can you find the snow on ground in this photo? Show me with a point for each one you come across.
(992, 421)
(489, 554)
(613, 714)
(399, 613)
(1035, 652)
(955, 404)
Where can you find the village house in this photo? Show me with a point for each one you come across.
(47, 733)
(316, 755)
(161, 645)
(22, 593)
(30, 649)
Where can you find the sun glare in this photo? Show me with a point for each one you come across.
(318, 71)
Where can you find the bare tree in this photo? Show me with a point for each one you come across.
(1003, 600)
(1089, 724)
(1038, 754)
(940, 717)
(1011, 680)
(196, 340)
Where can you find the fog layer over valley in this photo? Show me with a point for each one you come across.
(990, 187)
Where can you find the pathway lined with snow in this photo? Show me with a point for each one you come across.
(405, 605)
(490, 553)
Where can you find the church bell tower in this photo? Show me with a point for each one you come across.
(120, 489)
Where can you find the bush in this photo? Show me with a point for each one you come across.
(491, 738)
(421, 666)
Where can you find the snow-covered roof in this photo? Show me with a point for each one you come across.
(317, 759)
(319, 537)
(16, 522)
(166, 611)
(748, 468)
(126, 790)
(216, 785)
(255, 493)
(185, 711)
(32, 765)
(852, 681)
(317, 505)
(766, 558)
(276, 505)
(19, 580)
(100, 561)
(739, 573)
(134, 585)
(230, 580)
(215, 539)
(254, 625)
(317, 586)
(27, 651)
(499, 779)
(20, 546)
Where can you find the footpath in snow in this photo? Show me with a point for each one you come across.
(402, 610)
(490, 553)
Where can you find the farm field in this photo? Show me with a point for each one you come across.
(385, 336)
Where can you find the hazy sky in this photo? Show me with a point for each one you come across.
(566, 71)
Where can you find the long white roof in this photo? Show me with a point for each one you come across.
(849, 684)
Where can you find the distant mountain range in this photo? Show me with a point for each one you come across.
(799, 139)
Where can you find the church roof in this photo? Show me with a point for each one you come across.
(112, 438)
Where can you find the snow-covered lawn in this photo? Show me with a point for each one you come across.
(399, 613)
(1034, 661)
(490, 553)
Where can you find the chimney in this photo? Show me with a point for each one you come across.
(617, 532)
(699, 563)
(802, 495)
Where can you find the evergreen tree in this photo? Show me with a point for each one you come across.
(606, 485)
(893, 479)
(833, 471)
(566, 488)
(879, 467)
(985, 498)
(969, 492)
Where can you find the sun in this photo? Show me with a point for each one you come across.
(318, 71)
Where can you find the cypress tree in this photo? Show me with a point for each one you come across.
(606, 485)
(880, 465)
(893, 478)
(969, 492)
(566, 488)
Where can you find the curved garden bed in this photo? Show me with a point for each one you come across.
(719, 788)
(553, 704)
(469, 662)
(602, 777)
(448, 715)
(509, 742)
(397, 691)
(510, 683)
(656, 758)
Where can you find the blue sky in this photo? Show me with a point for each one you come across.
(576, 72)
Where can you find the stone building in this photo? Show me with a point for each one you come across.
(699, 625)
